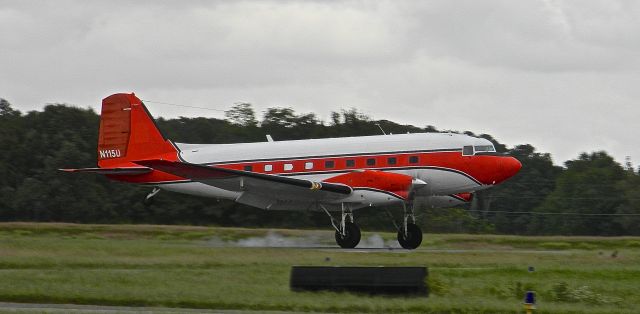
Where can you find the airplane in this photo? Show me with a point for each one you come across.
(333, 175)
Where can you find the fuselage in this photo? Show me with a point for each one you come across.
(449, 163)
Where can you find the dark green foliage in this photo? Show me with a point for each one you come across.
(524, 192)
(241, 114)
(34, 145)
(590, 185)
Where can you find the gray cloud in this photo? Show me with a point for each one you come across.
(560, 75)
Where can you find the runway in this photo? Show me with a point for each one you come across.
(10, 307)
(403, 251)
(371, 243)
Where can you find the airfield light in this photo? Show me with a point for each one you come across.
(529, 301)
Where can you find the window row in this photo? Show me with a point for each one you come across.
(331, 164)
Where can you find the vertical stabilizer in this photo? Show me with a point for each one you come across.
(128, 133)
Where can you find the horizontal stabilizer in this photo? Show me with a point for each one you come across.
(114, 171)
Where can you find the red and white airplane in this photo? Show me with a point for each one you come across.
(332, 174)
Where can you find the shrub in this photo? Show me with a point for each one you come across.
(561, 292)
(512, 290)
(633, 243)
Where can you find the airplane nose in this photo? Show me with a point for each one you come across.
(510, 166)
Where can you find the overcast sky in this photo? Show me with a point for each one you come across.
(561, 75)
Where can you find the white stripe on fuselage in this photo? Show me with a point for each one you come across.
(357, 146)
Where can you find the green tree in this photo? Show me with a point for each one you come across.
(590, 185)
(242, 114)
(522, 193)
(6, 110)
(10, 130)
(285, 124)
(279, 117)
(630, 188)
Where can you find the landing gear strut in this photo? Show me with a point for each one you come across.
(409, 234)
(347, 232)
(148, 199)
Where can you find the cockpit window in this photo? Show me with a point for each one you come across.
(467, 150)
(484, 148)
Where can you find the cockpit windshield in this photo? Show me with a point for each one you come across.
(484, 148)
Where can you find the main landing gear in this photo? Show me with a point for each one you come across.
(410, 237)
(409, 234)
(349, 237)
(347, 232)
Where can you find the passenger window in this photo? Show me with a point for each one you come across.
(329, 164)
(308, 165)
(351, 163)
(268, 168)
(467, 150)
(413, 159)
(248, 168)
(371, 162)
(288, 167)
(392, 160)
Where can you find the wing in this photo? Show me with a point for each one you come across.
(257, 189)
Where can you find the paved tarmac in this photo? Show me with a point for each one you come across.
(8, 307)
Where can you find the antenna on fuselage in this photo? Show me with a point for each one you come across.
(383, 132)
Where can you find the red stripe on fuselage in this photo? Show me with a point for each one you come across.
(484, 169)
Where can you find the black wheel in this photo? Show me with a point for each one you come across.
(351, 237)
(413, 238)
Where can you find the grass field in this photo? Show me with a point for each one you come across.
(198, 267)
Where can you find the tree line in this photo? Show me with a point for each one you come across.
(590, 195)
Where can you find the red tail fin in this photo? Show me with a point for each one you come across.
(128, 132)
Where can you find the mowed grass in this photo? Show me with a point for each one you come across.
(201, 267)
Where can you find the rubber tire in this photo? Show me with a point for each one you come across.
(414, 237)
(352, 237)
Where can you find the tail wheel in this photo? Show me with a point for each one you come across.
(413, 237)
(351, 238)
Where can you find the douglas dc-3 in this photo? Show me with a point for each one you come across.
(331, 175)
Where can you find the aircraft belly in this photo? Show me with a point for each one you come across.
(369, 198)
(200, 189)
(270, 203)
(438, 201)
